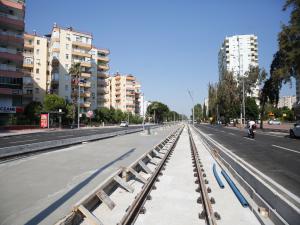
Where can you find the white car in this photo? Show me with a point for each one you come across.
(274, 122)
(124, 124)
(295, 131)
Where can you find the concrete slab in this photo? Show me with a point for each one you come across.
(227, 205)
(175, 199)
(43, 188)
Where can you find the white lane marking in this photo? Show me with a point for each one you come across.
(231, 133)
(287, 149)
(22, 141)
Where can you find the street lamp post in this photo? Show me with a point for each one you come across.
(193, 106)
(78, 103)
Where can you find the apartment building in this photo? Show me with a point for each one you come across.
(100, 81)
(11, 58)
(67, 47)
(237, 54)
(35, 68)
(124, 92)
(286, 101)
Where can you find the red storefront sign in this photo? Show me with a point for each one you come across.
(44, 120)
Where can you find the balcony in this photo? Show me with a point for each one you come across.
(85, 94)
(7, 54)
(9, 91)
(103, 51)
(103, 59)
(55, 62)
(28, 64)
(82, 45)
(102, 83)
(85, 105)
(28, 45)
(13, 4)
(132, 78)
(85, 75)
(28, 84)
(102, 75)
(56, 49)
(86, 64)
(10, 73)
(103, 67)
(86, 84)
(81, 53)
(11, 39)
(102, 91)
(11, 21)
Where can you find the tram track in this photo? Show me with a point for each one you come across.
(170, 184)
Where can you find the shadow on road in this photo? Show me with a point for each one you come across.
(51, 208)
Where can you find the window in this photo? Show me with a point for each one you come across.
(37, 71)
(67, 66)
(37, 51)
(37, 90)
(67, 77)
(66, 87)
(67, 46)
(38, 42)
(38, 61)
(67, 56)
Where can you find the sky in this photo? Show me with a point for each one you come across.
(171, 46)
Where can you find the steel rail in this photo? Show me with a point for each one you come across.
(208, 211)
(133, 211)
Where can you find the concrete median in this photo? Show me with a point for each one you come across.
(45, 145)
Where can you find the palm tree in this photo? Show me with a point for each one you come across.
(75, 71)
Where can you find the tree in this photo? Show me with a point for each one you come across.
(32, 111)
(289, 43)
(102, 114)
(75, 70)
(204, 116)
(198, 112)
(251, 109)
(158, 111)
(212, 100)
(227, 99)
(53, 102)
(286, 61)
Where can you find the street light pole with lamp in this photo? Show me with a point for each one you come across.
(193, 105)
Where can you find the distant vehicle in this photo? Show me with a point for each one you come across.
(274, 122)
(124, 124)
(295, 131)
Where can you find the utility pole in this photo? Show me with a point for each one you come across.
(243, 113)
(78, 103)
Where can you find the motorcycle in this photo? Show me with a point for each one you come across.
(251, 133)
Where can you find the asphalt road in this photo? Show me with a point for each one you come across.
(22, 139)
(276, 155)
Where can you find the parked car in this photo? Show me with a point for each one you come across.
(274, 122)
(295, 131)
(124, 124)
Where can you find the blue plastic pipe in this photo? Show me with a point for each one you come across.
(236, 191)
(217, 176)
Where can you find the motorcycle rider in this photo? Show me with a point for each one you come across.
(251, 127)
